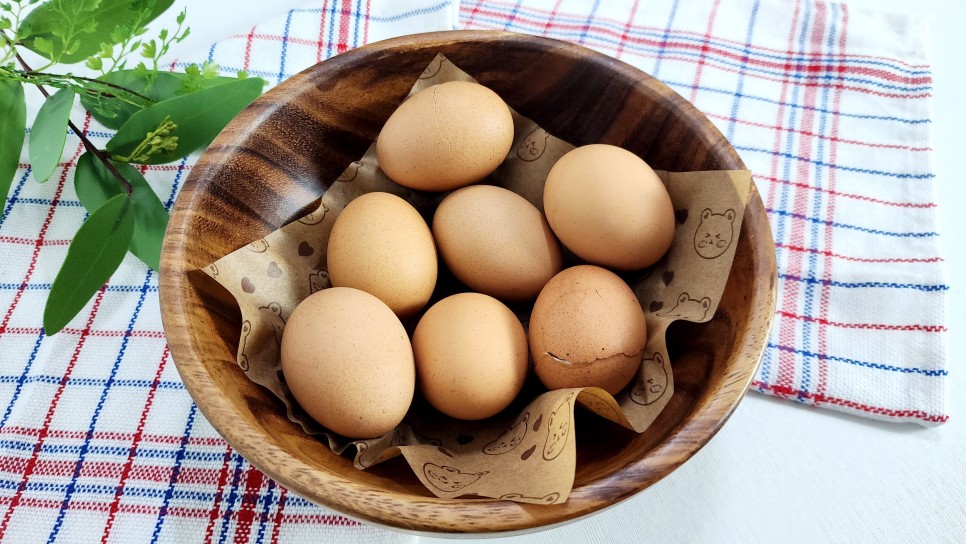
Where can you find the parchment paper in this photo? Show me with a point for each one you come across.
(528, 453)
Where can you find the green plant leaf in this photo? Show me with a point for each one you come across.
(49, 133)
(119, 33)
(74, 46)
(95, 253)
(200, 116)
(13, 122)
(43, 46)
(109, 14)
(95, 185)
(209, 70)
(166, 85)
(149, 49)
(90, 25)
(95, 63)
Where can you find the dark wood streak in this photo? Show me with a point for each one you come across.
(280, 154)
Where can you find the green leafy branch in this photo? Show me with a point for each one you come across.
(156, 49)
(81, 85)
(68, 29)
(124, 40)
(49, 135)
(159, 117)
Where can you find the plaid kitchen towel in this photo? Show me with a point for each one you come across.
(829, 106)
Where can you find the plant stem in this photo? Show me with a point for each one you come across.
(62, 81)
(99, 82)
(80, 134)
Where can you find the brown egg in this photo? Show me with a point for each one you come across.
(587, 329)
(348, 362)
(380, 244)
(446, 136)
(471, 356)
(496, 242)
(608, 207)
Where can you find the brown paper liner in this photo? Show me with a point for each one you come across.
(528, 453)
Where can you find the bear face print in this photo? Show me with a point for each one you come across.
(510, 439)
(715, 233)
(350, 173)
(271, 315)
(315, 217)
(433, 68)
(546, 499)
(689, 308)
(533, 146)
(319, 280)
(450, 479)
(654, 384)
(558, 429)
(258, 246)
(361, 449)
(246, 329)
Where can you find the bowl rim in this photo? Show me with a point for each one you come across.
(680, 444)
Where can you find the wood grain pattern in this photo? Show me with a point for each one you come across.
(276, 158)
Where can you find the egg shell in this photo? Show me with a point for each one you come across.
(496, 242)
(587, 329)
(609, 207)
(445, 137)
(471, 356)
(348, 362)
(380, 244)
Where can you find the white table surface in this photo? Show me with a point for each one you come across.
(777, 471)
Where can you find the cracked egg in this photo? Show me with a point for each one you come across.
(587, 329)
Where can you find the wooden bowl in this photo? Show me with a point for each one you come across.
(275, 160)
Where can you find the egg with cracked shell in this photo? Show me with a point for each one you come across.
(587, 329)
